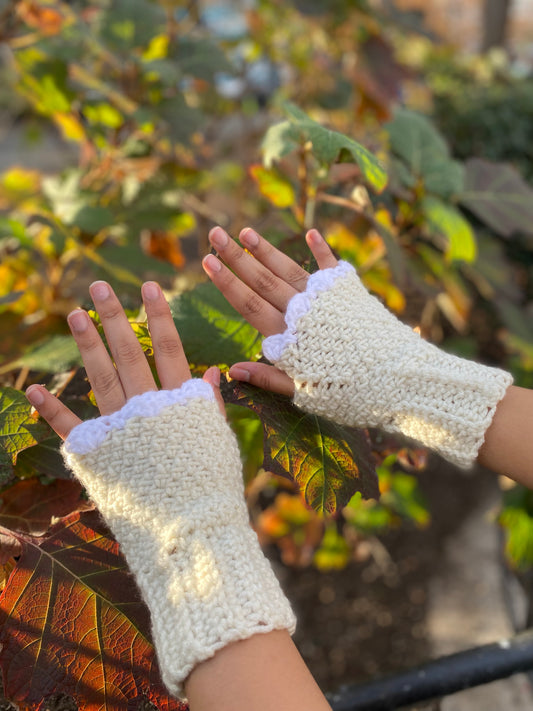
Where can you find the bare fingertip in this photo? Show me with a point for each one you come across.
(35, 395)
(212, 376)
(249, 237)
(211, 264)
(313, 237)
(239, 373)
(150, 291)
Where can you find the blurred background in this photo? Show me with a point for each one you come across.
(129, 128)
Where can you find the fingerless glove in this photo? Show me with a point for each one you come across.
(353, 362)
(166, 474)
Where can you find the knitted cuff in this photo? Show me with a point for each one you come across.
(166, 474)
(353, 362)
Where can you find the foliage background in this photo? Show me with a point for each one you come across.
(182, 116)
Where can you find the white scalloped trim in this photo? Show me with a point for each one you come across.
(90, 434)
(299, 305)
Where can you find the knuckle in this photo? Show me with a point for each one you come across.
(105, 381)
(296, 276)
(262, 380)
(253, 305)
(168, 346)
(128, 354)
(112, 312)
(266, 282)
(52, 410)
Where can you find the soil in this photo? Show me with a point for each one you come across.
(370, 619)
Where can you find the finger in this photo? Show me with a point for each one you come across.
(252, 272)
(264, 376)
(101, 372)
(58, 416)
(170, 360)
(278, 263)
(320, 249)
(132, 366)
(212, 376)
(258, 312)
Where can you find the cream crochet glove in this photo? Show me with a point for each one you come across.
(353, 362)
(166, 474)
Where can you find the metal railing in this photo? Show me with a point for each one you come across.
(441, 677)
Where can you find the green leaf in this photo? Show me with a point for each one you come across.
(327, 461)
(211, 331)
(449, 222)
(131, 23)
(327, 145)
(54, 355)
(92, 219)
(182, 120)
(200, 58)
(44, 459)
(19, 429)
(498, 195)
(425, 154)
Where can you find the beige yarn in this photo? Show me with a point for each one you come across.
(353, 362)
(170, 487)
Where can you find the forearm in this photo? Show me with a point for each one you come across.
(508, 446)
(262, 673)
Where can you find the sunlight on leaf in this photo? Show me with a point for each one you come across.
(449, 222)
(327, 461)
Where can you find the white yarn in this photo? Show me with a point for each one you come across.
(90, 434)
(353, 362)
(167, 477)
(299, 305)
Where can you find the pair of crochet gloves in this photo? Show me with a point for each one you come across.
(165, 470)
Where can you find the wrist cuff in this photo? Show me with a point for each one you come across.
(165, 473)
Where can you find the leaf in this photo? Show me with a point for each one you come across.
(31, 507)
(19, 429)
(54, 355)
(200, 58)
(282, 138)
(92, 219)
(42, 459)
(414, 139)
(73, 623)
(327, 461)
(498, 195)
(448, 221)
(273, 186)
(211, 331)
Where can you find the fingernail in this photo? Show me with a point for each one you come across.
(238, 373)
(218, 238)
(249, 238)
(314, 236)
(150, 291)
(34, 395)
(78, 321)
(211, 263)
(100, 290)
(213, 376)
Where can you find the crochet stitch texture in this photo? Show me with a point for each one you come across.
(354, 362)
(166, 474)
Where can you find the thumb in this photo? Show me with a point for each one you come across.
(264, 376)
(212, 376)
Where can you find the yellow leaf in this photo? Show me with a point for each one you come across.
(21, 182)
(273, 186)
(70, 127)
(157, 49)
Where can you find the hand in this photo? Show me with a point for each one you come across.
(260, 289)
(114, 383)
